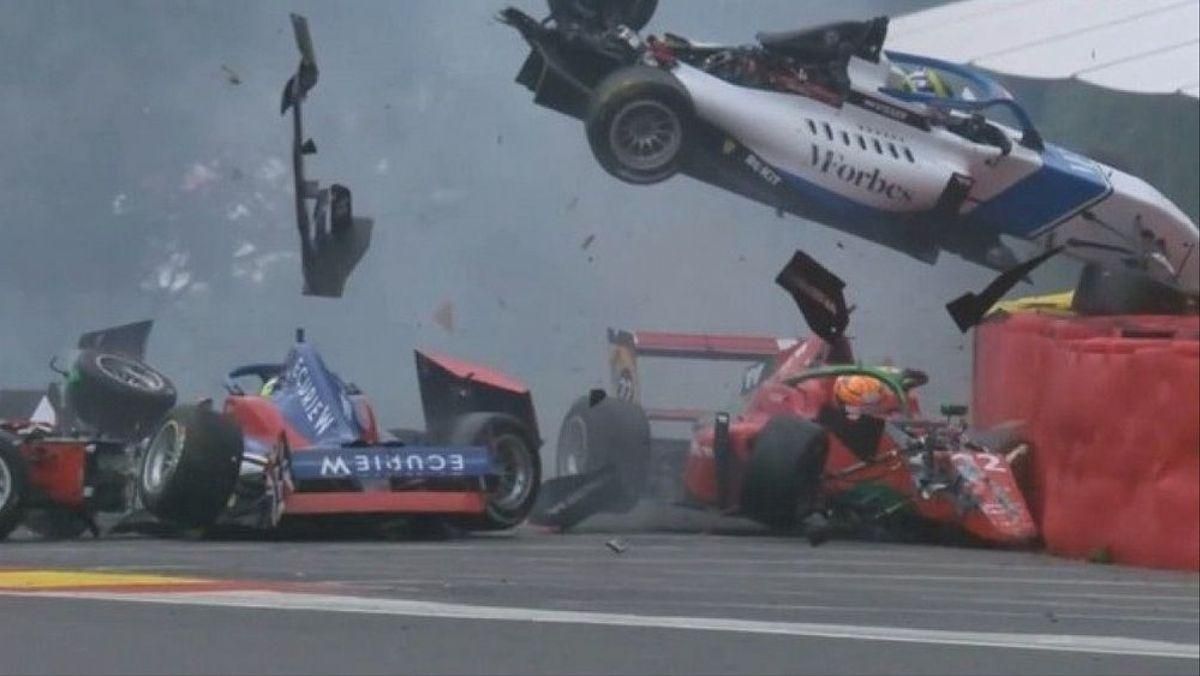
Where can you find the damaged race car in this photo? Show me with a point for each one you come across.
(906, 151)
(817, 434)
(66, 449)
(302, 448)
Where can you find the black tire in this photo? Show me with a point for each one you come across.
(1106, 291)
(646, 102)
(55, 524)
(784, 473)
(191, 466)
(13, 484)
(117, 394)
(514, 450)
(611, 432)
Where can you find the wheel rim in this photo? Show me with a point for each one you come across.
(573, 447)
(645, 135)
(162, 457)
(6, 483)
(514, 469)
(129, 372)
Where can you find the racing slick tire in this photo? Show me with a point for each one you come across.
(638, 124)
(14, 483)
(55, 524)
(610, 432)
(117, 394)
(1107, 291)
(514, 449)
(783, 475)
(190, 466)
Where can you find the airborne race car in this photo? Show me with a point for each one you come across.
(792, 450)
(913, 153)
(305, 448)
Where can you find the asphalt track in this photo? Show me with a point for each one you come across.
(706, 600)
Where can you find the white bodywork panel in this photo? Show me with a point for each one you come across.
(874, 161)
(824, 146)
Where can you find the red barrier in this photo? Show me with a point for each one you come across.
(1112, 408)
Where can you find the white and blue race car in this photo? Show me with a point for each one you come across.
(916, 154)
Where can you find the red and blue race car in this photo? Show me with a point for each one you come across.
(303, 446)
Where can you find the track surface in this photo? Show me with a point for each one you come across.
(430, 607)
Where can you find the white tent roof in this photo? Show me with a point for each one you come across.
(1143, 46)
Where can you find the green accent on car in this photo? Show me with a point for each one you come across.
(890, 377)
(874, 497)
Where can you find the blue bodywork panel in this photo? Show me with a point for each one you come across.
(1065, 185)
(391, 462)
(314, 401)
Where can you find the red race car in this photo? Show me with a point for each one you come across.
(816, 433)
(302, 447)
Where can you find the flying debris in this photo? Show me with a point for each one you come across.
(231, 75)
(970, 308)
(443, 316)
(332, 239)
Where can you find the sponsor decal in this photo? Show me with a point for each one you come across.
(316, 411)
(363, 464)
(753, 376)
(834, 163)
(386, 463)
(764, 170)
(889, 111)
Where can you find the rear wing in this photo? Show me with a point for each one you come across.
(625, 347)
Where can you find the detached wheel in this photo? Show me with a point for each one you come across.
(514, 450)
(117, 394)
(13, 485)
(612, 432)
(191, 467)
(784, 474)
(637, 124)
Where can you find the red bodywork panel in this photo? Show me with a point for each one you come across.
(380, 502)
(56, 468)
(481, 374)
(262, 422)
(703, 345)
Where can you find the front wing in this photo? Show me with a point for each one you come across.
(383, 479)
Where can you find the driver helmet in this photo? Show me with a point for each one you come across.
(268, 387)
(864, 395)
(928, 81)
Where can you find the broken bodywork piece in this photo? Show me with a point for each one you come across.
(332, 239)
